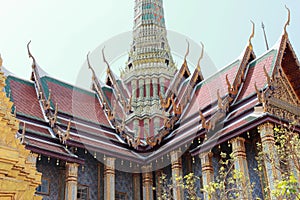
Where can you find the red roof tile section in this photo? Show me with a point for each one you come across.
(77, 103)
(256, 75)
(24, 96)
(36, 129)
(207, 92)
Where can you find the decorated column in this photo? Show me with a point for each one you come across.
(162, 85)
(147, 183)
(158, 189)
(71, 181)
(176, 174)
(109, 179)
(141, 88)
(146, 128)
(268, 147)
(134, 90)
(207, 169)
(155, 87)
(148, 84)
(136, 187)
(240, 164)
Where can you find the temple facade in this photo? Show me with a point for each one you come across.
(117, 139)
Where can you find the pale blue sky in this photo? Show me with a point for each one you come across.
(63, 31)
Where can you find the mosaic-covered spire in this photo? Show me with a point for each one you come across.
(149, 70)
(150, 42)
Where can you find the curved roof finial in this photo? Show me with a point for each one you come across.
(187, 50)
(90, 66)
(252, 34)
(105, 61)
(30, 55)
(288, 20)
(1, 61)
(201, 56)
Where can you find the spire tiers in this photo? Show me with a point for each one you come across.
(149, 70)
(150, 47)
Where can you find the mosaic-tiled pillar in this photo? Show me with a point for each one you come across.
(207, 169)
(147, 184)
(141, 88)
(71, 181)
(176, 173)
(146, 128)
(134, 90)
(148, 82)
(156, 124)
(162, 85)
(136, 187)
(158, 189)
(268, 146)
(109, 179)
(240, 164)
(155, 87)
(136, 127)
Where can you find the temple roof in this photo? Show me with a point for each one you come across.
(57, 117)
(91, 127)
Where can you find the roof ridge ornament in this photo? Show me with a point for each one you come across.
(187, 50)
(201, 57)
(269, 79)
(252, 35)
(205, 124)
(30, 54)
(105, 61)
(90, 66)
(1, 61)
(288, 20)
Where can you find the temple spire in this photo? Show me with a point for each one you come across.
(149, 35)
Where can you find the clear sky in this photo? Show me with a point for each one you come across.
(63, 31)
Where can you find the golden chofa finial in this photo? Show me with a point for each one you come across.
(30, 55)
(90, 66)
(187, 50)
(201, 57)
(1, 61)
(105, 61)
(288, 20)
(252, 35)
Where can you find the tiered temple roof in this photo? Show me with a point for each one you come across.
(113, 119)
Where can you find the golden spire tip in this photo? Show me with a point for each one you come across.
(1, 61)
(252, 34)
(201, 56)
(188, 49)
(288, 20)
(29, 53)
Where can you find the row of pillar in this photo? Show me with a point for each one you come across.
(146, 83)
(240, 164)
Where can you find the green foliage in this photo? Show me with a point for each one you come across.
(226, 186)
(286, 160)
(230, 183)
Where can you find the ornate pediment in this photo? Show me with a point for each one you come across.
(281, 99)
